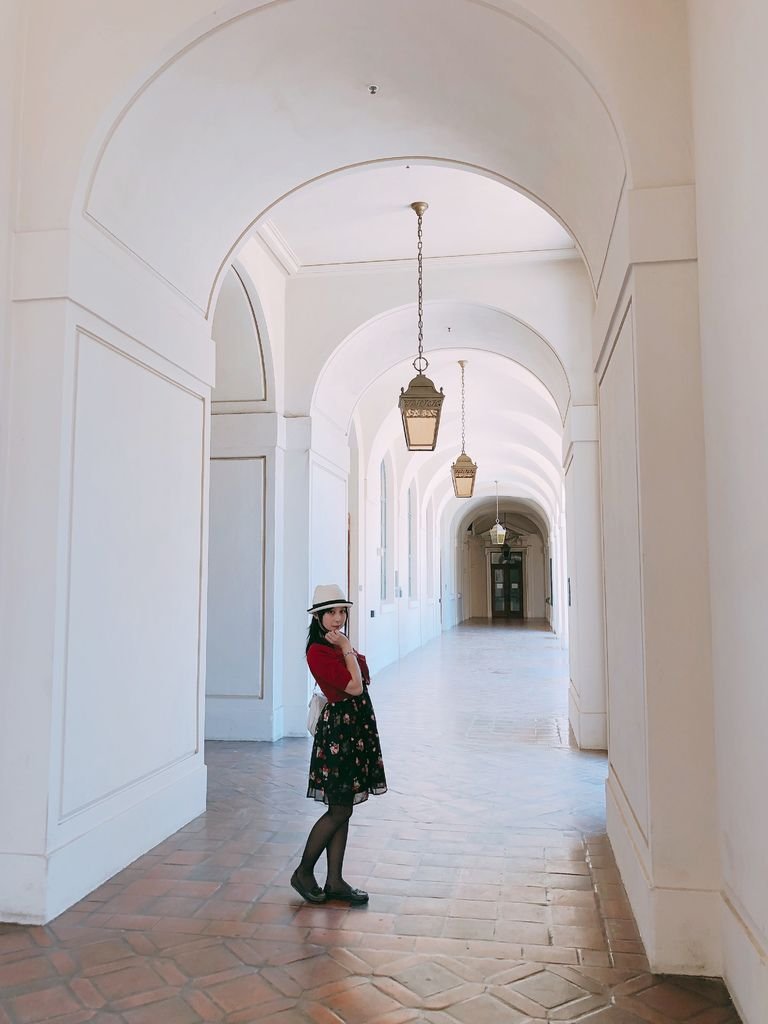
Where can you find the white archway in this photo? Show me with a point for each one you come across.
(537, 543)
(204, 113)
(376, 346)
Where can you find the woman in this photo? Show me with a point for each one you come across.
(346, 763)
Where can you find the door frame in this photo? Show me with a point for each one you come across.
(489, 581)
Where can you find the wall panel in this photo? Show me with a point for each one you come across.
(236, 564)
(623, 578)
(328, 538)
(132, 671)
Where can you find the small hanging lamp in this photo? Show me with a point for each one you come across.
(498, 533)
(421, 404)
(463, 470)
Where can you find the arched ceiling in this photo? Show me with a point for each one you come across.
(278, 96)
(376, 347)
(481, 510)
(364, 217)
(512, 520)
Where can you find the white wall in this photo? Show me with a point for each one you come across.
(265, 281)
(730, 83)
(399, 623)
(248, 436)
(623, 582)
(10, 88)
(236, 600)
(430, 581)
(409, 612)
(135, 566)
(661, 800)
(475, 583)
(259, 589)
(10, 85)
(328, 523)
(535, 583)
(107, 524)
(586, 621)
(295, 587)
(240, 375)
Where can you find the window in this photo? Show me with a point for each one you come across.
(411, 544)
(383, 530)
(430, 566)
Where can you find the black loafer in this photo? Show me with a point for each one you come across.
(313, 895)
(347, 895)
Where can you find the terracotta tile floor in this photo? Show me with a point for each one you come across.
(494, 894)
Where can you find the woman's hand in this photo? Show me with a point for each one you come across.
(338, 639)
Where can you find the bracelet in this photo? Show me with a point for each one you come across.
(347, 654)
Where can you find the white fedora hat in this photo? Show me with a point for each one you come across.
(328, 595)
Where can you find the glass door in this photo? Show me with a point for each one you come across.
(507, 585)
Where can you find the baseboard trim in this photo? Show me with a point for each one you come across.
(238, 718)
(590, 728)
(22, 889)
(680, 928)
(631, 852)
(745, 961)
(36, 889)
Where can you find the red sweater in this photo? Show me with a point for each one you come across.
(327, 665)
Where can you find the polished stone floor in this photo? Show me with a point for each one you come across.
(494, 894)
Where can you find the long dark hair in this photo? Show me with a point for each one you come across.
(316, 633)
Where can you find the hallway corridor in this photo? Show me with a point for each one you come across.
(494, 897)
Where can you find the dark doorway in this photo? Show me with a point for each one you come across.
(507, 585)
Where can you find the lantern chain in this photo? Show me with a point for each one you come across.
(462, 410)
(420, 363)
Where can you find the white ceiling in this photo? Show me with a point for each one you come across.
(364, 216)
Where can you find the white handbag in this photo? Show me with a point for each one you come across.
(315, 709)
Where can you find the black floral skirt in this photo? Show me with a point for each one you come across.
(346, 763)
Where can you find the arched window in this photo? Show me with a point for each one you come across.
(430, 550)
(411, 543)
(383, 530)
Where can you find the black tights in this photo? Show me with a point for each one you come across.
(329, 833)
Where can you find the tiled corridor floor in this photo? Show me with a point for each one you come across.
(494, 895)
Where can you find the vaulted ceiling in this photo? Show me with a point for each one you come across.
(365, 218)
